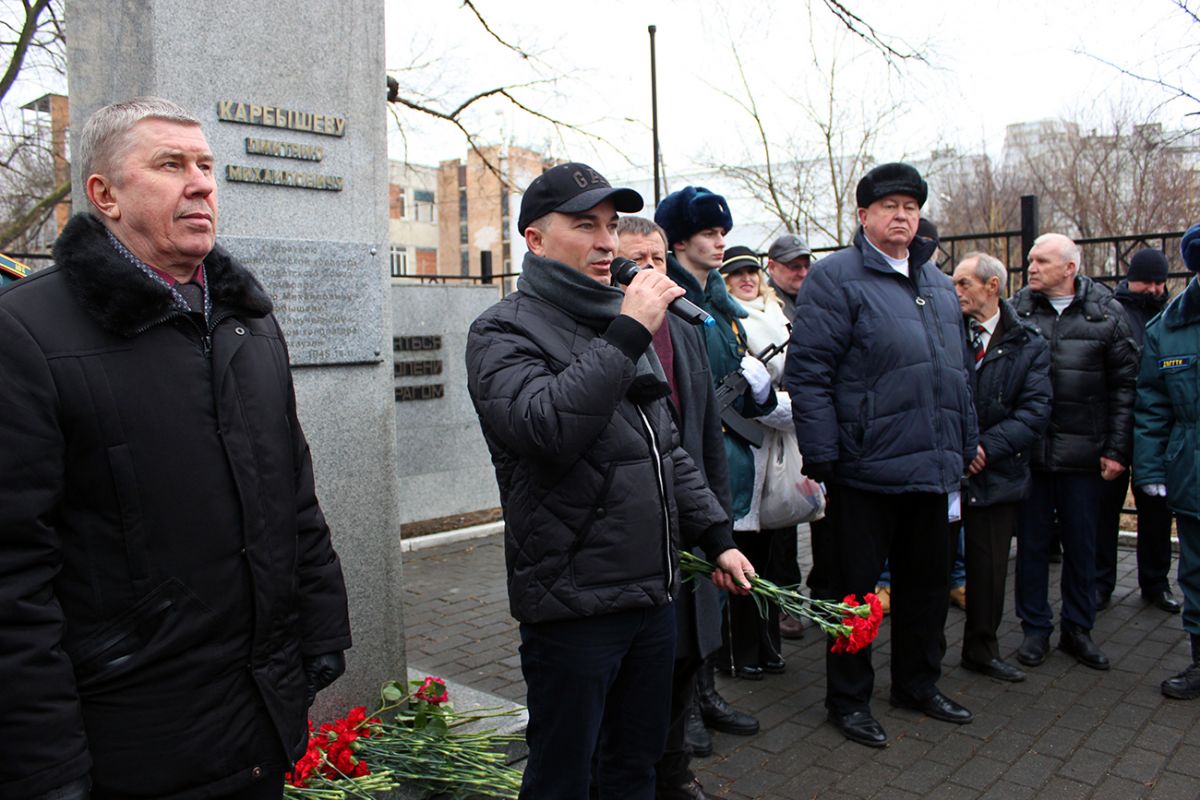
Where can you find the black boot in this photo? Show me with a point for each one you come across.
(716, 713)
(695, 735)
(1186, 685)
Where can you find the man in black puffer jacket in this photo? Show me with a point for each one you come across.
(1012, 402)
(1142, 294)
(596, 491)
(877, 372)
(170, 599)
(1089, 441)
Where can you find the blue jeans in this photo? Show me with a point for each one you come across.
(597, 685)
(1076, 497)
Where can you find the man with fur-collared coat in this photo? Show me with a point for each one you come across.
(170, 599)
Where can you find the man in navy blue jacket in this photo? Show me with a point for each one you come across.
(878, 377)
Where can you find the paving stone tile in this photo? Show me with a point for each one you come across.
(1087, 766)
(1115, 788)
(1067, 732)
(1063, 789)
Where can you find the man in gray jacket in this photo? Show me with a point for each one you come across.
(878, 377)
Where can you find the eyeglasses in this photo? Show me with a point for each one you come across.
(797, 264)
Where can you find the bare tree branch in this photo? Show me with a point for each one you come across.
(865, 31)
(21, 47)
(35, 216)
(492, 33)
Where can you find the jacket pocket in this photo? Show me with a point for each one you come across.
(165, 623)
(623, 539)
(125, 488)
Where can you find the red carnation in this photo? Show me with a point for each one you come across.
(433, 691)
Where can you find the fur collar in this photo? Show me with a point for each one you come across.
(124, 300)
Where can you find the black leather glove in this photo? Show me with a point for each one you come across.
(819, 471)
(322, 670)
(80, 789)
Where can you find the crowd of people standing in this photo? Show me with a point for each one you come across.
(920, 404)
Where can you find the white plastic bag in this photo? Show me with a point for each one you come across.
(789, 497)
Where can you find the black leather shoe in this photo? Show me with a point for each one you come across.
(1164, 600)
(937, 706)
(1033, 649)
(1185, 685)
(776, 666)
(695, 735)
(861, 727)
(994, 668)
(1078, 643)
(749, 672)
(1103, 599)
(692, 790)
(717, 713)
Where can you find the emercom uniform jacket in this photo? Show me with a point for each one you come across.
(594, 484)
(1012, 402)
(1166, 447)
(164, 564)
(877, 372)
(1093, 368)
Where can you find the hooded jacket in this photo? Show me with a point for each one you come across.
(164, 564)
(595, 487)
(877, 372)
(1093, 369)
(1166, 447)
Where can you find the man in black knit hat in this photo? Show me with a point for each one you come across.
(1142, 294)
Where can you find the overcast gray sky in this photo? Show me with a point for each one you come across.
(990, 63)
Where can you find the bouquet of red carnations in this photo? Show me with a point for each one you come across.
(853, 625)
(413, 737)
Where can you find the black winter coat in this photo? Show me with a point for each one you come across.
(699, 425)
(1012, 401)
(594, 485)
(1093, 369)
(877, 372)
(164, 563)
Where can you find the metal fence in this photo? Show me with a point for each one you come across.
(1105, 258)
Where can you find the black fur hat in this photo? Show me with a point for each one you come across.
(692, 209)
(892, 178)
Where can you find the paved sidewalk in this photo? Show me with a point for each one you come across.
(1067, 732)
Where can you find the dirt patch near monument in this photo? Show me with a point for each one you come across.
(453, 522)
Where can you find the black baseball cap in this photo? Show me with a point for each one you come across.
(571, 188)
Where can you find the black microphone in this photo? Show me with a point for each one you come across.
(623, 270)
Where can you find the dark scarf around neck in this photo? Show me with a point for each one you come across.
(594, 305)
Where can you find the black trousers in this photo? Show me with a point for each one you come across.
(673, 768)
(751, 639)
(910, 531)
(820, 535)
(989, 532)
(1153, 537)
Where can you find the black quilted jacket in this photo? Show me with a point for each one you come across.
(1093, 369)
(594, 485)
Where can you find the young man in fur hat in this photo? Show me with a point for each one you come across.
(596, 489)
(877, 372)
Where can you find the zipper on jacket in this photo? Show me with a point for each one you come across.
(662, 499)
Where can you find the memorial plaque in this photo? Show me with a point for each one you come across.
(319, 290)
